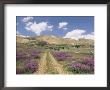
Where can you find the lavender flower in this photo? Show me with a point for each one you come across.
(62, 56)
(35, 54)
(21, 55)
(29, 54)
(31, 66)
(78, 67)
(89, 62)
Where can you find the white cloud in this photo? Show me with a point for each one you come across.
(77, 34)
(29, 23)
(37, 28)
(22, 35)
(92, 33)
(88, 36)
(26, 19)
(17, 32)
(50, 27)
(65, 28)
(62, 24)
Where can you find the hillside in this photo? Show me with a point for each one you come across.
(54, 40)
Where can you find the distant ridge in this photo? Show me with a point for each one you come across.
(54, 40)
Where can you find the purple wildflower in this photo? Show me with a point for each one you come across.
(80, 68)
(62, 56)
(31, 66)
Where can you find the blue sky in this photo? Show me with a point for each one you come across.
(64, 26)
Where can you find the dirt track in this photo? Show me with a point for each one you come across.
(48, 65)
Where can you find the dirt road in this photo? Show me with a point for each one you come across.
(48, 65)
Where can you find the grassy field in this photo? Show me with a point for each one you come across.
(32, 58)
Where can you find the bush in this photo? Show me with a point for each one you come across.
(42, 43)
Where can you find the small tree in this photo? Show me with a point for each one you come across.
(42, 43)
(77, 46)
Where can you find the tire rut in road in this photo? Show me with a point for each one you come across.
(58, 68)
(42, 67)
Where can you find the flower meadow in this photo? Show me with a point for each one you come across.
(61, 56)
(27, 61)
(84, 66)
(30, 66)
(80, 68)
